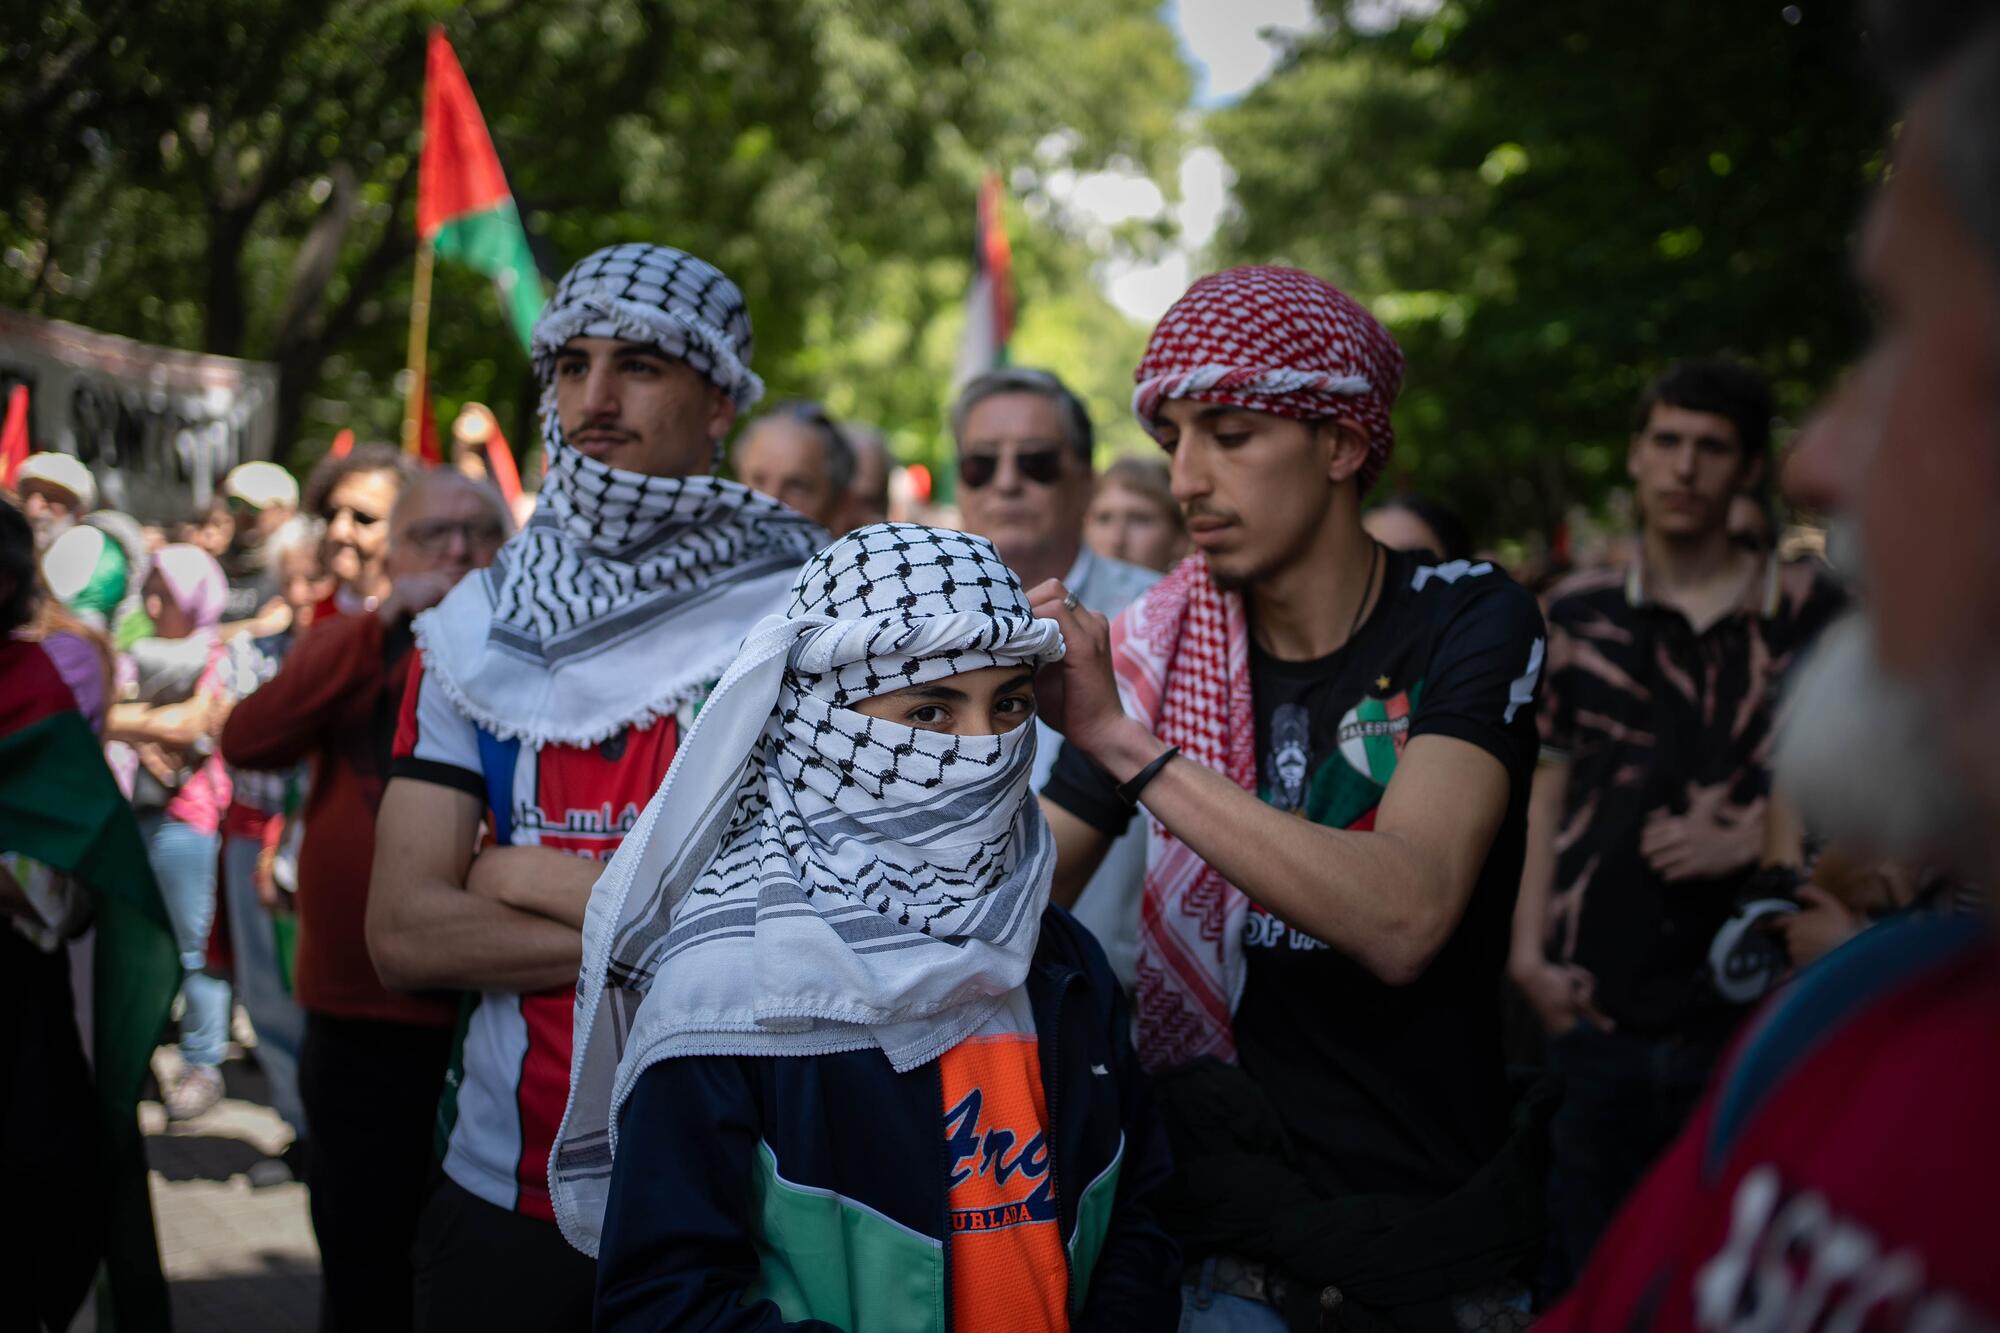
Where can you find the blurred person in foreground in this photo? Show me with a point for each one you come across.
(1025, 484)
(1655, 785)
(1134, 517)
(868, 493)
(853, 982)
(1841, 1172)
(174, 706)
(794, 453)
(371, 1062)
(1333, 744)
(1410, 522)
(256, 912)
(549, 696)
(71, 1158)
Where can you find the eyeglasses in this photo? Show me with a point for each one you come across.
(434, 537)
(1041, 466)
(360, 518)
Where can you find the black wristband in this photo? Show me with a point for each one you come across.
(1128, 792)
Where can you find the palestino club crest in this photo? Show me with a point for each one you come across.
(1373, 732)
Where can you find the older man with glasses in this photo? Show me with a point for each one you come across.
(1024, 483)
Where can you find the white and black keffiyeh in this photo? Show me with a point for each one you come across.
(625, 593)
(809, 879)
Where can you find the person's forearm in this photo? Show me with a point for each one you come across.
(1529, 940)
(169, 724)
(437, 936)
(425, 931)
(539, 880)
(1370, 895)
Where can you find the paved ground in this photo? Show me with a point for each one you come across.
(237, 1257)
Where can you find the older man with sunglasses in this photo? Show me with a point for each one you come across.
(1025, 483)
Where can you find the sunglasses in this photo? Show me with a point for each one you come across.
(361, 518)
(1041, 466)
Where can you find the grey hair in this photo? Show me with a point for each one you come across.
(839, 453)
(1023, 379)
(444, 476)
(297, 535)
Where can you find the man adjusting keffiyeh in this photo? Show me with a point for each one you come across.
(820, 963)
(1330, 879)
(551, 695)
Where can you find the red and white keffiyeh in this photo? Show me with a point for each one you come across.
(1275, 340)
(1182, 657)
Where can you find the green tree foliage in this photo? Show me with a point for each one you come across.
(1547, 200)
(238, 176)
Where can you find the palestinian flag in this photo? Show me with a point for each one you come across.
(59, 806)
(989, 301)
(465, 211)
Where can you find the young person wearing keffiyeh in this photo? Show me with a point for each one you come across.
(1333, 744)
(550, 695)
(835, 1065)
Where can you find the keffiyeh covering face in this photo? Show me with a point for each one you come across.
(809, 879)
(1280, 341)
(625, 593)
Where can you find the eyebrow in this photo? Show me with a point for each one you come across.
(622, 349)
(944, 692)
(951, 694)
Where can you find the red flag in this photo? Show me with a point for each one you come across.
(341, 444)
(999, 256)
(427, 431)
(14, 446)
(459, 172)
(500, 460)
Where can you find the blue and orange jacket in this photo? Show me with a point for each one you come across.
(810, 1192)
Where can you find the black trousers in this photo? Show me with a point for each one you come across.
(486, 1267)
(49, 1248)
(371, 1096)
(1625, 1099)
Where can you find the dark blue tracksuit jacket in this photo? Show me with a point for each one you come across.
(810, 1192)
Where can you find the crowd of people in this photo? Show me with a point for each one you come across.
(1198, 894)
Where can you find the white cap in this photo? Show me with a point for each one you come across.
(64, 471)
(260, 485)
(71, 561)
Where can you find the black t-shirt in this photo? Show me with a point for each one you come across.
(1383, 1089)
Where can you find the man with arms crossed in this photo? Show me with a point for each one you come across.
(549, 698)
(1333, 743)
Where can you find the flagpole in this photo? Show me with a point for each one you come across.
(420, 324)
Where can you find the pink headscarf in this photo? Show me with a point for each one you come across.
(195, 582)
(1275, 340)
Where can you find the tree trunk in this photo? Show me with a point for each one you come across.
(224, 314)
